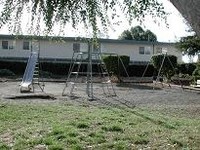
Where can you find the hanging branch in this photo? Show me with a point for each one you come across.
(75, 12)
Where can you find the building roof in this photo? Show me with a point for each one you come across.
(80, 39)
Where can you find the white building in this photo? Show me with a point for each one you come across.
(61, 48)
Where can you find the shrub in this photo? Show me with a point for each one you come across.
(196, 73)
(186, 68)
(183, 79)
(138, 70)
(14, 66)
(116, 65)
(46, 74)
(167, 69)
(6, 72)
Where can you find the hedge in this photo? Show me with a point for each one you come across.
(187, 68)
(116, 65)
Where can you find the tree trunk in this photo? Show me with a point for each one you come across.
(190, 10)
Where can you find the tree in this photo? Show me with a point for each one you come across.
(93, 13)
(137, 33)
(150, 36)
(189, 45)
(126, 35)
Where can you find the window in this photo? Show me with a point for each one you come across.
(4, 44)
(141, 50)
(76, 47)
(26, 45)
(147, 50)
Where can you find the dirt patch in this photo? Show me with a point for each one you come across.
(162, 98)
(7, 138)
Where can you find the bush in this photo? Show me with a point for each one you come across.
(183, 79)
(16, 67)
(186, 68)
(6, 72)
(114, 64)
(167, 69)
(55, 69)
(46, 74)
(138, 70)
(196, 73)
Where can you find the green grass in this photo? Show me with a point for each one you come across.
(59, 126)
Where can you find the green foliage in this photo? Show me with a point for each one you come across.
(16, 67)
(186, 68)
(126, 35)
(114, 64)
(56, 70)
(88, 12)
(196, 72)
(167, 69)
(183, 79)
(137, 33)
(138, 70)
(6, 72)
(189, 45)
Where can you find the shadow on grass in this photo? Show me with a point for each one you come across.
(129, 106)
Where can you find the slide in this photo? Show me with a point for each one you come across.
(29, 71)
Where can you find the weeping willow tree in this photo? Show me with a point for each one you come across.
(92, 13)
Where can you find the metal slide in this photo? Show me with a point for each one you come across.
(29, 71)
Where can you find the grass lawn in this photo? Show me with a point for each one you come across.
(60, 125)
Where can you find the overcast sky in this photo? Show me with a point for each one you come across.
(177, 27)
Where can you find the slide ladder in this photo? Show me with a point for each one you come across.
(31, 74)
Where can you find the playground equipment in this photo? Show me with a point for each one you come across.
(76, 69)
(159, 78)
(31, 74)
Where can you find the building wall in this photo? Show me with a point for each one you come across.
(51, 49)
(132, 50)
(129, 50)
(170, 49)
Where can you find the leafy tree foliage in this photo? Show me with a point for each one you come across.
(189, 45)
(126, 35)
(167, 69)
(196, 72)
(137, 33)
(92, 13)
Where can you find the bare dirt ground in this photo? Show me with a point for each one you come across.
(173, 101)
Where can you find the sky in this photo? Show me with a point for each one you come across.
(176, 29)
(177, 26)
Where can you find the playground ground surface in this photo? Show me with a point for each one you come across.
(166, 100)
(137, 118)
